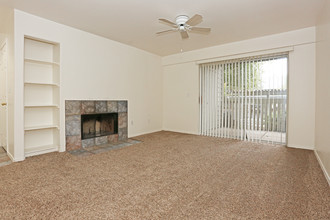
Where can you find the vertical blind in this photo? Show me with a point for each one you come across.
(245, 99)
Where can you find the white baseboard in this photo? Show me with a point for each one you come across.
(322, 167)
(181, 131)
(62, 149)
(300, 147)
(143, 133)
(10, 156)
(13, 158)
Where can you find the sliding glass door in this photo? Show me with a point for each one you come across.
(245, 98)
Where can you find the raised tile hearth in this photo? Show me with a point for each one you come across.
(97, 149)
(74, 109)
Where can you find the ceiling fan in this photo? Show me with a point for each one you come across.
(184, 24)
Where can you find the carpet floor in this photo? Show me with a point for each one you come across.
(168, 176)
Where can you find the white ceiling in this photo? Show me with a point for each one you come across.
(135, 22)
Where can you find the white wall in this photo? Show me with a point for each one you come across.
(93, 67)
(2, 36)
(181, 83)
(301, 115)
(7, 30)
(322, 130)
(180, 98)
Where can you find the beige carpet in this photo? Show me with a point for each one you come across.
(168, 176)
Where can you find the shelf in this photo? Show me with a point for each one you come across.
(41, 62)
(41, 84)
(41, 97)
(33, 128)
(40, 150)
(41, 106)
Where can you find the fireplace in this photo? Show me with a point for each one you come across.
(80, 136)
(97, 125)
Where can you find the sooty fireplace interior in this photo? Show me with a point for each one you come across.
(96, 125)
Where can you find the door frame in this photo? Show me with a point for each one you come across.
(2, 45)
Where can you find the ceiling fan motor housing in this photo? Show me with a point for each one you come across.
(181, 20)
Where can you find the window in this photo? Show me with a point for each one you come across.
(245, 99)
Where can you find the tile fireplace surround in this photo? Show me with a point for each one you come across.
(75, 108)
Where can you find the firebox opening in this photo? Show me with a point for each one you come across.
(97, 125)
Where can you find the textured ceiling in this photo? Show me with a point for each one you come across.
(135, 22)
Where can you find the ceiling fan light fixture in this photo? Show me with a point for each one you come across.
(182, 28)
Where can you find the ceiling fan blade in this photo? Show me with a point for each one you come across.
(194, 20)
(200, 30)
(167, 31)
(184, 34)
(167, 22)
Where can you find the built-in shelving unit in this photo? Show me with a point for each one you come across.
(41, 96)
